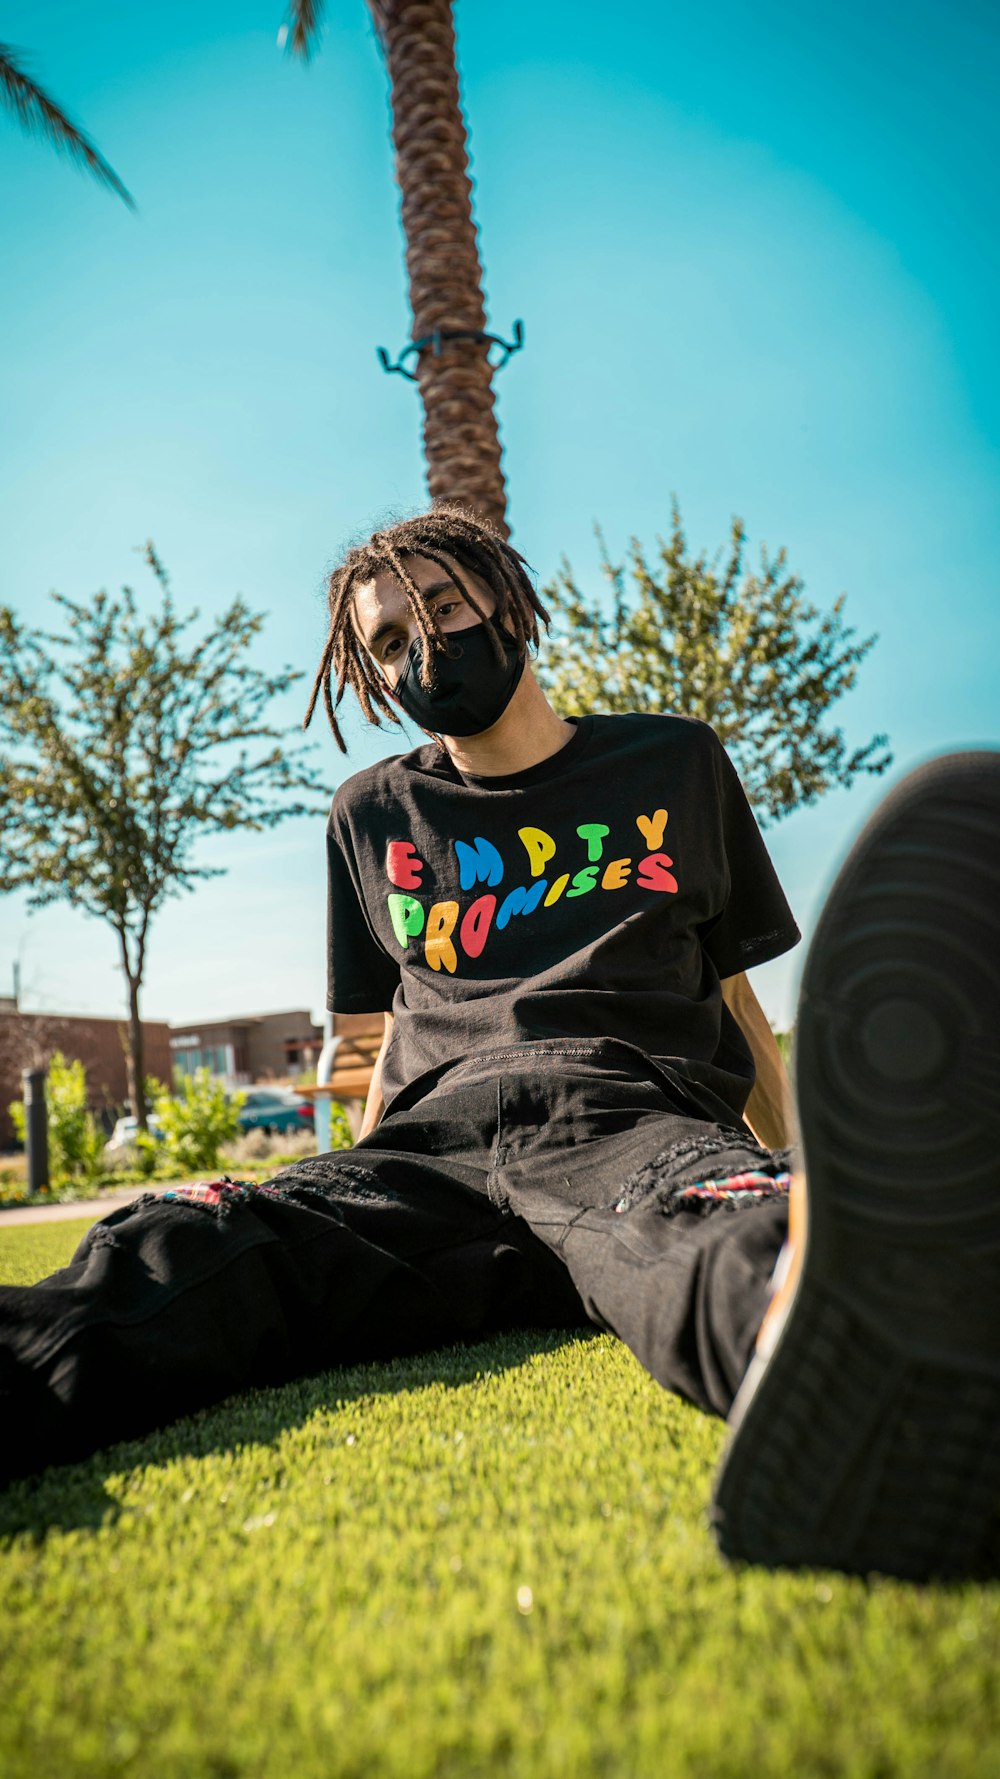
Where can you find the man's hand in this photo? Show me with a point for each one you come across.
(770, 1109)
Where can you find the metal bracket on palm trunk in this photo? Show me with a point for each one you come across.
(442, 337)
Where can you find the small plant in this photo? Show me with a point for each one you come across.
(197, 1122)
(76, 1141)
(340, 1130)
(146, 1157)
(257, 1151)
(145, 1153)
(253, 1145)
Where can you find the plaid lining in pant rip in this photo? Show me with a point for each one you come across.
(736, 1191)
(220, 1196)
(217, 1196)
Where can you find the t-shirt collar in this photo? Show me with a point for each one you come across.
(551, 767)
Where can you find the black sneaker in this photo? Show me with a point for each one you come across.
(869, 1438)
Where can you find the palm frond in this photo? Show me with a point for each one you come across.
(41, 116)
(305, 17)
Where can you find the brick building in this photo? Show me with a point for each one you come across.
(27, 1040)
(259, 1047)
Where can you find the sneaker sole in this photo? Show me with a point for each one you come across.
(870, 1439)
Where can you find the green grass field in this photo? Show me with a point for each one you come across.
(489, 1561)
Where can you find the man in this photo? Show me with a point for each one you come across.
(579, 1112)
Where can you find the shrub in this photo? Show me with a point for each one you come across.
(340, 1130)
(76, 1141)
(256, 1150)
(252, 1145)
(144, 1158)
(196, 1122)
(284, 1147)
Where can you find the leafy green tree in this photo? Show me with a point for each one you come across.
(742, 650)
(196, 1122)
(76, 1141)
(123, 742)
(40, 115)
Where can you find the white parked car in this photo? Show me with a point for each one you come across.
(124, 1134)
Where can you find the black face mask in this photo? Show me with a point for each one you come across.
(472, 689)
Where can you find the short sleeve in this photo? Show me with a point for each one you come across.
(756, 923)
(361, 976)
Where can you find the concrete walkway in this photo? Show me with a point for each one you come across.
(89, 1207)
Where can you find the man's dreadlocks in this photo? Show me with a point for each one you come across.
(458, 541)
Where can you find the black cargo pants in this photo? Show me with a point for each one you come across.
(553, 1185)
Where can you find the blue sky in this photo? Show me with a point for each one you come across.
(753, 247)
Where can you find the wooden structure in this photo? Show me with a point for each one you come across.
(350, 1058)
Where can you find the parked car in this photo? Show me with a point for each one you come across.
(275, 1109)
(124, 1134)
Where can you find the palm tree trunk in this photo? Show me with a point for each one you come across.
(461, 440)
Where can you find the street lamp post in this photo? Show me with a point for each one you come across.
(36, 1128)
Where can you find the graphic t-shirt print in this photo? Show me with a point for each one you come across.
(449, 932)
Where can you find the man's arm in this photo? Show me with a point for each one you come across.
(375, 1104)
(770, 1109)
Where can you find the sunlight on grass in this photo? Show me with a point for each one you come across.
(487, 1560)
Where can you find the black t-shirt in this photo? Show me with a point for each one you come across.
(600, 894)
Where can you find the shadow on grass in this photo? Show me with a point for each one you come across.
(73, 1496)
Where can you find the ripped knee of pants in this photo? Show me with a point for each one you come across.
(323, 1184)
(217, 1196)
(702, 1172)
